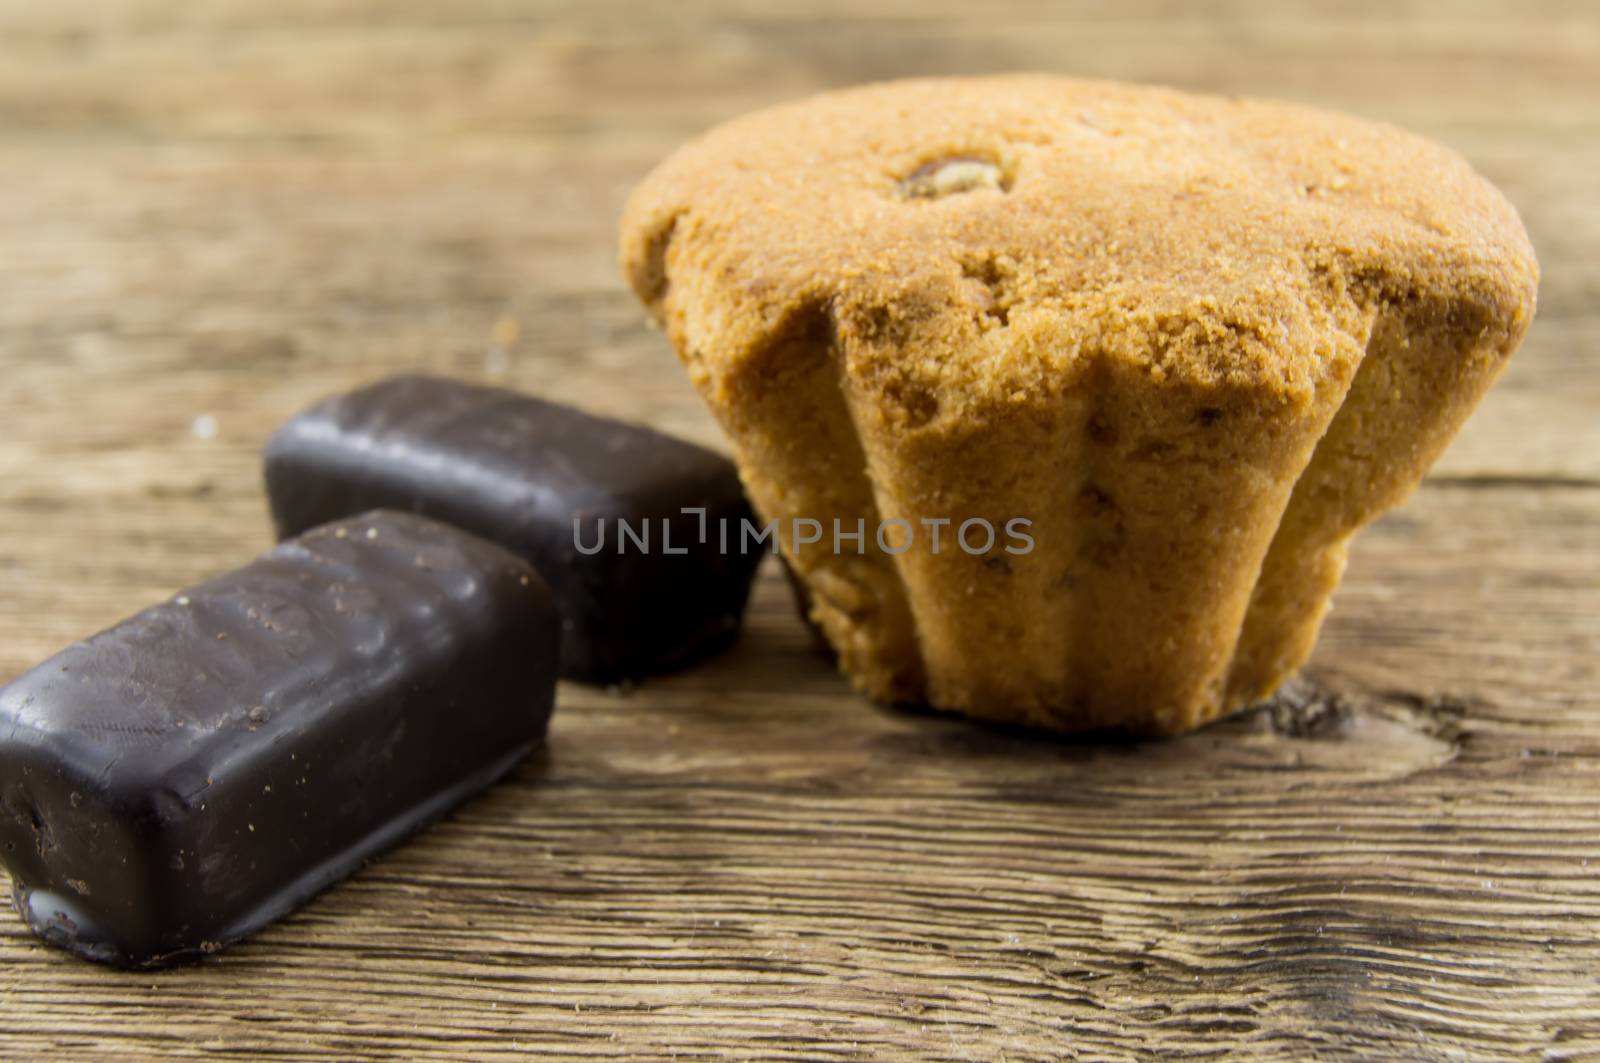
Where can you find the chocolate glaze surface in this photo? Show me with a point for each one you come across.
(519, 471)
(185, 777)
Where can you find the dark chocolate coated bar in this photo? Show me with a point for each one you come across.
(178, 781)
(519, 471)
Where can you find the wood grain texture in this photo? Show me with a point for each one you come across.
(216, 213)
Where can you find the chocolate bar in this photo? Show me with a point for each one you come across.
(637, 533)
(193, 773)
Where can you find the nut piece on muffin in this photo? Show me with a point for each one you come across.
(1196, 342)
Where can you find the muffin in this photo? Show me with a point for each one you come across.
(1193, 342)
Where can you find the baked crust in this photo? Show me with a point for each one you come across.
(1197, 341)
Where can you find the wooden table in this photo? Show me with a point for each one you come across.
(211, 214)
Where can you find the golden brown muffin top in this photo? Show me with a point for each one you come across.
(992, 230)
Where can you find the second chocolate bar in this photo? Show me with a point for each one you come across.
(643, 586)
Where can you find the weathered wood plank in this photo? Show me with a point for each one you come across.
(746, 857)
(217, 213)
